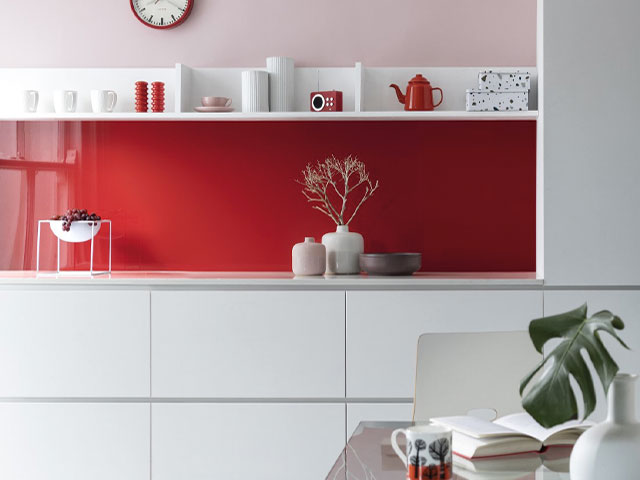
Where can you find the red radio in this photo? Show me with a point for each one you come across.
(326, 101)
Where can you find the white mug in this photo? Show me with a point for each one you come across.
(30, 100)
(65, 101)
(103, 100)
(428, 451)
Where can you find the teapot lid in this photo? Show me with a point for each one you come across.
(419, 79)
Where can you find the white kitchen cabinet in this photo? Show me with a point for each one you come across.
(74, 441)
(591, 147)
(248, 344)
(377, 412)
(625, 304)
(232, 441)
(383, 330)
(74, 343)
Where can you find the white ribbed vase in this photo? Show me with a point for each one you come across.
(281, 82)
(255, 91)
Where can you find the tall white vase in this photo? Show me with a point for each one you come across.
(255, 91)
(281, 84)
(343, 251)
(612, 448)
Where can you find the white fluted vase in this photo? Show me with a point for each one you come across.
(611, 449)
(255, 91)
(281, 83)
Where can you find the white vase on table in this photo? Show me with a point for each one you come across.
(343, 251)
(611, 449)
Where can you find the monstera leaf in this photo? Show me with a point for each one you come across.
(551, 400)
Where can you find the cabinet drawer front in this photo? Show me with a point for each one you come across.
(383, 330)
(56, 441)
(74, 343)
(248, 344)
(266, 441)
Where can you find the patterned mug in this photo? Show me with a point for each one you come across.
(428, 451)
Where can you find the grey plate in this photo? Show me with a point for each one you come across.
(390, 263)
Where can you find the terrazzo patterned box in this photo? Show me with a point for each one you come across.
(487, 101)
(504, 81)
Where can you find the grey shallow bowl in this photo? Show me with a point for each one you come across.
(390, 263)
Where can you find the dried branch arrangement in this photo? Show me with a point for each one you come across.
(336, 179)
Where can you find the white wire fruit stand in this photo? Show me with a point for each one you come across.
(91, 229)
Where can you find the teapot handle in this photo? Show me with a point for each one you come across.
(441, 96)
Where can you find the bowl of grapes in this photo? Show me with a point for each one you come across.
(75, 225)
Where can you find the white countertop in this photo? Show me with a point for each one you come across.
(274, 280)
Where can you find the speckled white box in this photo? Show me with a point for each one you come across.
(488, 101)
(504, 81)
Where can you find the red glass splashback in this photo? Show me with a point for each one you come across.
(222, 195)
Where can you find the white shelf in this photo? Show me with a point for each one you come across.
(366, 93)
(280, 116)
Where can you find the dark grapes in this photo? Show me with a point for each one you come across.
(73, 215)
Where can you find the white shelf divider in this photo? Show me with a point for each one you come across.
(183, 79)
(359, 87)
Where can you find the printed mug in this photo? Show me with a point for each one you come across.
(30, 100)
(103, 100)
(65, 101)
(429, 452)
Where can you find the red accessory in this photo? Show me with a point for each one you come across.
(141, 96)
(157, 97)
(330, 101)
(419, 94)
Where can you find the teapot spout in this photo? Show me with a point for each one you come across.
(401, 97)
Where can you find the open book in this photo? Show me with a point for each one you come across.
(517, 433)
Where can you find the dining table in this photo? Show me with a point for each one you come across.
(368, 455)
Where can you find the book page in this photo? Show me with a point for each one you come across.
(524, 423)
(476, 427)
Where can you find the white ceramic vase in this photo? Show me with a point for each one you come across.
(281, 83)
(308, 257)
(612, 448)
(255, 91)
(343, 251)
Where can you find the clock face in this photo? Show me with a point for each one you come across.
(161, 13)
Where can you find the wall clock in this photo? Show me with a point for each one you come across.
(161, 13)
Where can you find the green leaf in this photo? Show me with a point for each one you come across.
(551, 400)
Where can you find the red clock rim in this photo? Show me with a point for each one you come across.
(164, 27)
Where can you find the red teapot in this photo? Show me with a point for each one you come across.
(419, 95)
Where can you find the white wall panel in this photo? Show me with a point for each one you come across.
(591, 148)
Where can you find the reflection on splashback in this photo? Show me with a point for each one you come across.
(222, 196)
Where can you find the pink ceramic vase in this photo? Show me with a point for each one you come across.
(308, 257)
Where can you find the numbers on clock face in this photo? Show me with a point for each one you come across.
(161, 13)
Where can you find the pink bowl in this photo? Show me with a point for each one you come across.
(216, 101)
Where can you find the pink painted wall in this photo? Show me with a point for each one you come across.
(243, 32)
